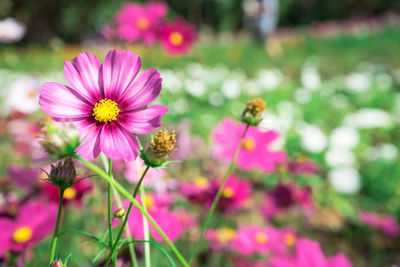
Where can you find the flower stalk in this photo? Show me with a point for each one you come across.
(55, 235)
(217, 197)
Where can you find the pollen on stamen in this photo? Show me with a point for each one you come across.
(105, 111)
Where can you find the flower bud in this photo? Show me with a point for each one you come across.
(159, 149)
(252, 115)
(119, 213)
(63, 174)
(57, 264)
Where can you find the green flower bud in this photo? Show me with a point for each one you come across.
(63, 174)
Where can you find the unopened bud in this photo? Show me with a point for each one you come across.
(57, 264)
(252, 115)
(119, 213)
(63, 174)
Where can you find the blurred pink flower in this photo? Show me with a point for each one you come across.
(177, 36)
(73, 194)
(189, 146)
(252, 239)
(255, 151)
(309, 254)
(23, 177)
(386, 223)
(236, 193)
(200, 191)
(136, 22)
(106, 103)
(303, 166)
(285, 196)
(221, 238)
(33, 223)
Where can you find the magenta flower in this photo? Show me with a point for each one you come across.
(136, 22)
(386, 223)
(106, 103)
(34, 222)
(236, 193)
(199, 191)
(73, 194)
(255, 151)
(309, 254)
(252, 239)
(221, 239)
(177, 36)
(23, 177)
(303, 166)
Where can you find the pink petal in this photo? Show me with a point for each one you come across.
(83, 75)
(118, 71)
(118, 143)
(142, 91)
(144, 119)
(6, 234)
(63, 102)
(90, 146)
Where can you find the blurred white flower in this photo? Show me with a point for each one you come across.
(312, 138)
(382, 151)
(269, 79)
(345, 180)
(344, 137)
(171, 81)
(216, 99)
(336, 157)
(24, 95)
(368, 118)
(339, 101)
(384, 81)
(358, 82)
(251, 87)
(231, 89)
(195, 87)
(310, 78)
(303, 96)
(11, 30)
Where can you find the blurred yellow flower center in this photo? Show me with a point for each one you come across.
(22, 234)
(261, 238)
(201, 182)
(70, 193)
(289, 239)
(105, 111)
(225, 234)
(32, 94)
(256, 106)
(149, 201)
(249, 144)
(176, 38)
(142, 23)
(228, 192)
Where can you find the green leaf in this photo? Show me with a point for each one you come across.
(98, 255)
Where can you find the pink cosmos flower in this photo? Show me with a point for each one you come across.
(73, 194)
(255, 151)
(309, 254)
(34, 222)
(303, 166)
(106, 103)
(158, 208)
(201, 190)
(252, 239)
(285, 196)
(236, 193)
(221, 239)
(23, 177)
(137, 22)
(177, 36)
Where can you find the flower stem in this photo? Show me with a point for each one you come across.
(137, 205)
(217, 197)
(145, 230)
(55, 235)
(109, 210)
(121, 230)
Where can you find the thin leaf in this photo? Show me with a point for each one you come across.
(98, 255)
(83, 233)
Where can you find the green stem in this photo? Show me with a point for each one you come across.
(147, 259)
(137, 205)
(119, 203)
(121, 230)
(109, 210)
(55, 235)
(217, 197)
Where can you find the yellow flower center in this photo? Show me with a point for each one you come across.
(290, 239)
(228, 192)
(261, 238)
(32, 94)
(249, 144)
(256, 106)
(70, 193)
(176, 38)
(22, 234)
(105, 111)
(142, 23)
(201, 182)
(225, 234)
(149, 202)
